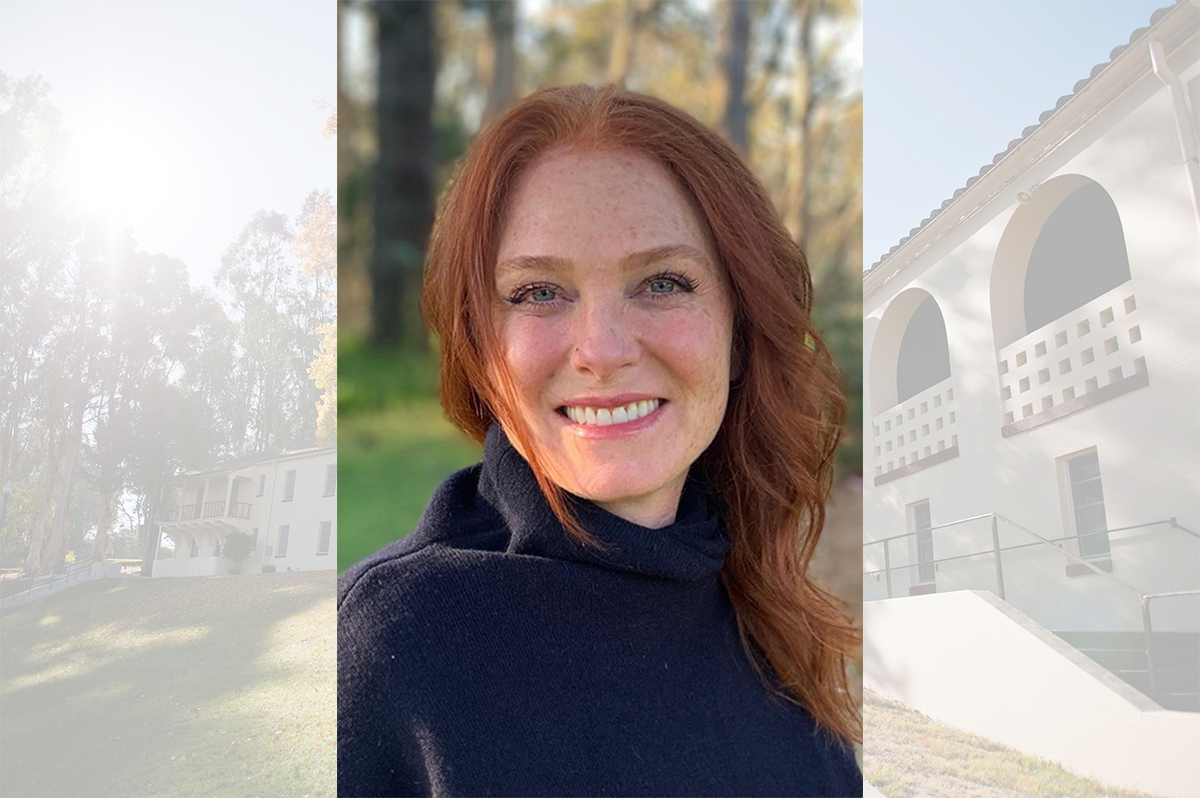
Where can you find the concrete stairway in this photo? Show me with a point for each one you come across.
(1176, 663)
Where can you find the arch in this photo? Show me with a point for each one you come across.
(1059, 251)
(910, 350)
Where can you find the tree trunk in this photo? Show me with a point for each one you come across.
(403, 177)
(103, 523)
(149, 534)
(33, 563)
(737, 48)
(620, 52)
(502, 26)
(803, 103)
(57, 553)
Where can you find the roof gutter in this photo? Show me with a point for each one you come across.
(1184, 123)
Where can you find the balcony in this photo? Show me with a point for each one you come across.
(1086, 357)
(208, 512)
(918, 433)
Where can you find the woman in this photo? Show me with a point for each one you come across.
(615, 601)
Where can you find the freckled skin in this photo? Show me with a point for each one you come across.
(594, 327)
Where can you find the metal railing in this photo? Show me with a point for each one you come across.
(1144, 599)
(46, 580)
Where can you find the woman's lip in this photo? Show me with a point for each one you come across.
(596, 431)
(620, 400)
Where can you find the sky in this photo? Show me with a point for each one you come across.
(947, 84)
(186, 118)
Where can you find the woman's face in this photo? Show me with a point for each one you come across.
(617, 325)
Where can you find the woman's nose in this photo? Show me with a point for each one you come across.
(603, 342)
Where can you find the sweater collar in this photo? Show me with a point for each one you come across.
(691, 549)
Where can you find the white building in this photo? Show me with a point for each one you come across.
(286, 502)
(1032, 385)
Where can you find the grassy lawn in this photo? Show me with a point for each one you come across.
(204, 686)
(908, 755)
(394, 446)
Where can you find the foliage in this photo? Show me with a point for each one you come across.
(238, 547)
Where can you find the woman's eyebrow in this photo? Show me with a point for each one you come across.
(630, 262)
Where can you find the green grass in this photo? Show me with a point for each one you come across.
(909, 755)
(205, 686)
(389, 463)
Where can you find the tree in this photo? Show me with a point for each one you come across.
(403, 176)
(238, 547)
(315, 246)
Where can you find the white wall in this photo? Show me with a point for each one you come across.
(1148, 441)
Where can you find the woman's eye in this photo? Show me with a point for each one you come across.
(541, 295)
(663, 286)
(534, 295)
(667, 284)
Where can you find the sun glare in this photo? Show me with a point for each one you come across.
(133, 169)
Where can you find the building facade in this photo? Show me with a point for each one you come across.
(1032, 363)
(286, 503)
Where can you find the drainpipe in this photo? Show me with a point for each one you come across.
(1183, 121)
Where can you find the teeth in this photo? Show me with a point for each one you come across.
(603, 416)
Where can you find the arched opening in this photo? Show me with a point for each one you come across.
(924, 357)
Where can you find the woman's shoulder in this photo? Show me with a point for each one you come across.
(455, 522)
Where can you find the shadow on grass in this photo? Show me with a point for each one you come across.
(192, 686)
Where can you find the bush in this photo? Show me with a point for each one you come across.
(238, 546)
(268, 569)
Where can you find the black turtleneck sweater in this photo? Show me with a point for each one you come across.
(489, 654)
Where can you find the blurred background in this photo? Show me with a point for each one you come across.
(780, 79)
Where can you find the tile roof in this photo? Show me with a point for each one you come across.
(1042, 119)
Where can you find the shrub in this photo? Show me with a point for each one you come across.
(238, 546)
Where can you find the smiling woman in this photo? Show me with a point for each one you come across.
(615, 602)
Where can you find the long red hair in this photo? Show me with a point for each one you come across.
(771, 464)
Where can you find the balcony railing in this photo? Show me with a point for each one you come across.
(1091, 354)
(920, 429)
(217, 509)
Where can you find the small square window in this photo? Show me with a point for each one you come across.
(954, 440)
(1114, 375)
(1039, 349)
(1060, 339)
(1139, 365)
(900, 441)
(912, 436)
(1026, 411)
(1130, 304)
(927, 452)
(901, 459)
(878, 471)
(1083, 328)
(887, 447)
(951, 416)
(937, 400)
(875, 429)
(877, 452)
(1106, 317)
(1110, 345)
(889, 465)
(911, 414)
(1135, 333)
(1043, 376)
(1087, 356)
(1047, 402)
(1008, 417)
(887, 426)
(899, 420)
(1068, 393)
(941, 446)
(924, 408)
(1024, 384)
(1022, 359)
(1003, 367)
(1064, 366)
(949, 394)
(937, 423)
(1091, 384)
(924, 430)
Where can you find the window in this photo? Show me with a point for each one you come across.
(323, 542)
(262, 484)
(217, 548)
(924, 538)
(330, 479)
(254, 539)
(283, 538)
(1087, 504)
(289, 489)
(195, 550)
